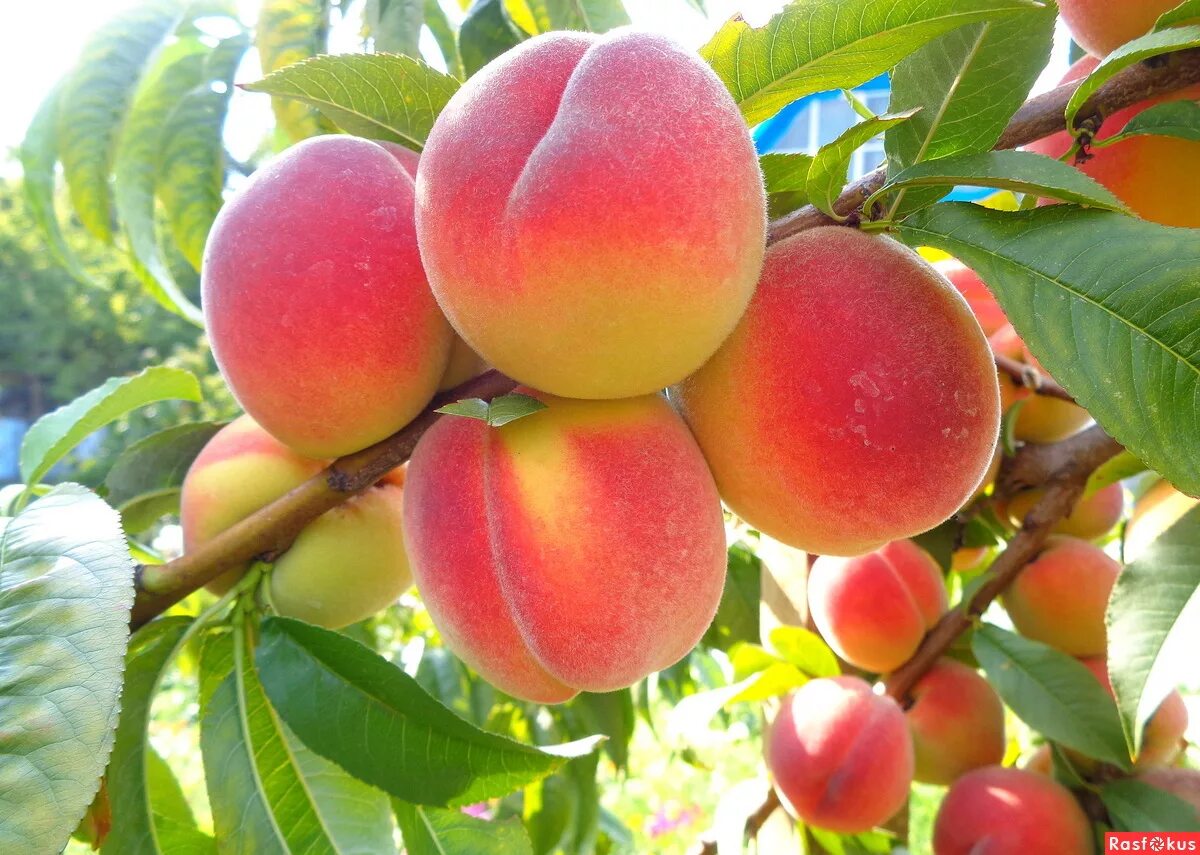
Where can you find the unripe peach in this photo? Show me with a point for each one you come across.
(1041, 418)
(957, 723)
(343, 567)
(1184, 784)
(1092, 517)
(579, 548)
(1156, 511)
(1163, 733)
(1060, 597)
(1010, 812)
(841, 756)
(983, 304)
(855, 404)
(315, 301)
(1154, 175)
(968, 558)
(1101, 26)
(874, 609)
(591, 213)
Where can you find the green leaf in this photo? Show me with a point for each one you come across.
(155, 465)
(1135, 806)
(446, 36)
(395, 25)
(1116, 328)
(1052, 692)
(595, 16)
(1124, 465)
(786, 178)
(191, 165)
(1018, 171)
(827, 175)
(95, 97)
(1174, 119)
(138, 826)
(378, 96)
(1151, 45)
(56, 433)
(437, 831)
(501, 411)
(178, 70)
(1152, 619)
(289, 31)
(39, 154)
(173, 820)
(611, 714)
(264, 795)
(806, 650)
(831, 44)
(355, 708)
(66, 586)
(486, 32)
(1185, 12)
(737, 614)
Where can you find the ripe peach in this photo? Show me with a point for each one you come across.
(1041, 418)
(1182, 783)
(841, 756)
(1092, 517)
(591, 213)
(874, 609)
(315, 301)
(1060, 596)
(957, 723)
(983, 305)
(1154, 175)
(579, 548)
(344, 566)
(1163, 733)
(855, 404)
(1010, 811)
(1101, 26)
(1156, 511)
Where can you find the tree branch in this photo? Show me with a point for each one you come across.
(1029, 377)
(754, 822)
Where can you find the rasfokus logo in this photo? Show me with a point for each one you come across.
(1145, 841)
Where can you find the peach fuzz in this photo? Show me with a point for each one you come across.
(345, 566)
(579, 548)
(1061, 596)
(1163, 733)
(1154, 175)
(983, 304)
(1101, 26)
(1157, 510)
(1092, 517)
(1041, 418)
(315, 301)
(591, 213)
(957, 723)
(1010, 812)
(855, 404)
(874, 609)
(840, 755)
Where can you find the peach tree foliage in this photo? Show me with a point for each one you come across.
(314, 740)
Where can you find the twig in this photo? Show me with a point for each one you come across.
(754, 822)
(1030, 378)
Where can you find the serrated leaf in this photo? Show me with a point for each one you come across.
(806, 650)
(1153, 620)
(178, 70)
(1179, 119)
(358, 710)
(289, 31)
(1135, 806)
(1124, 465)
(1115, 327)
(191, 164)
(499, 412)
(95, 97)
(817, 45)
(1052, 692)
(437, 831)
(1184, 13)
(736, 620)
(827, 175)
(378, 96)
(543, 16)
(468, 408)
(486, 32)
(39, 154)
(66, 587)
(1017, 171)
(56, 433)
(786, 178)
(139, 827)
(155, 465)
(1143, 48)
(395, 25)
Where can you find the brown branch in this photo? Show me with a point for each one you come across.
(754, 822)
(1026, 375)
(1039, 117)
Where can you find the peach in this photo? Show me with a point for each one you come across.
(1041, 418)
(1157, 510)
(984, 306)
(1010, 812)
(1092, 517)
(579, 548)
(855, 404)
(1060, 597)
(1154, 175)
(591, 213)
(315, 301)
(1163, 733)
(1184, 784)
(343, 567)
(1101, 26)
(957, 723)
(874, 609)
(968, 558)
(840, 755)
